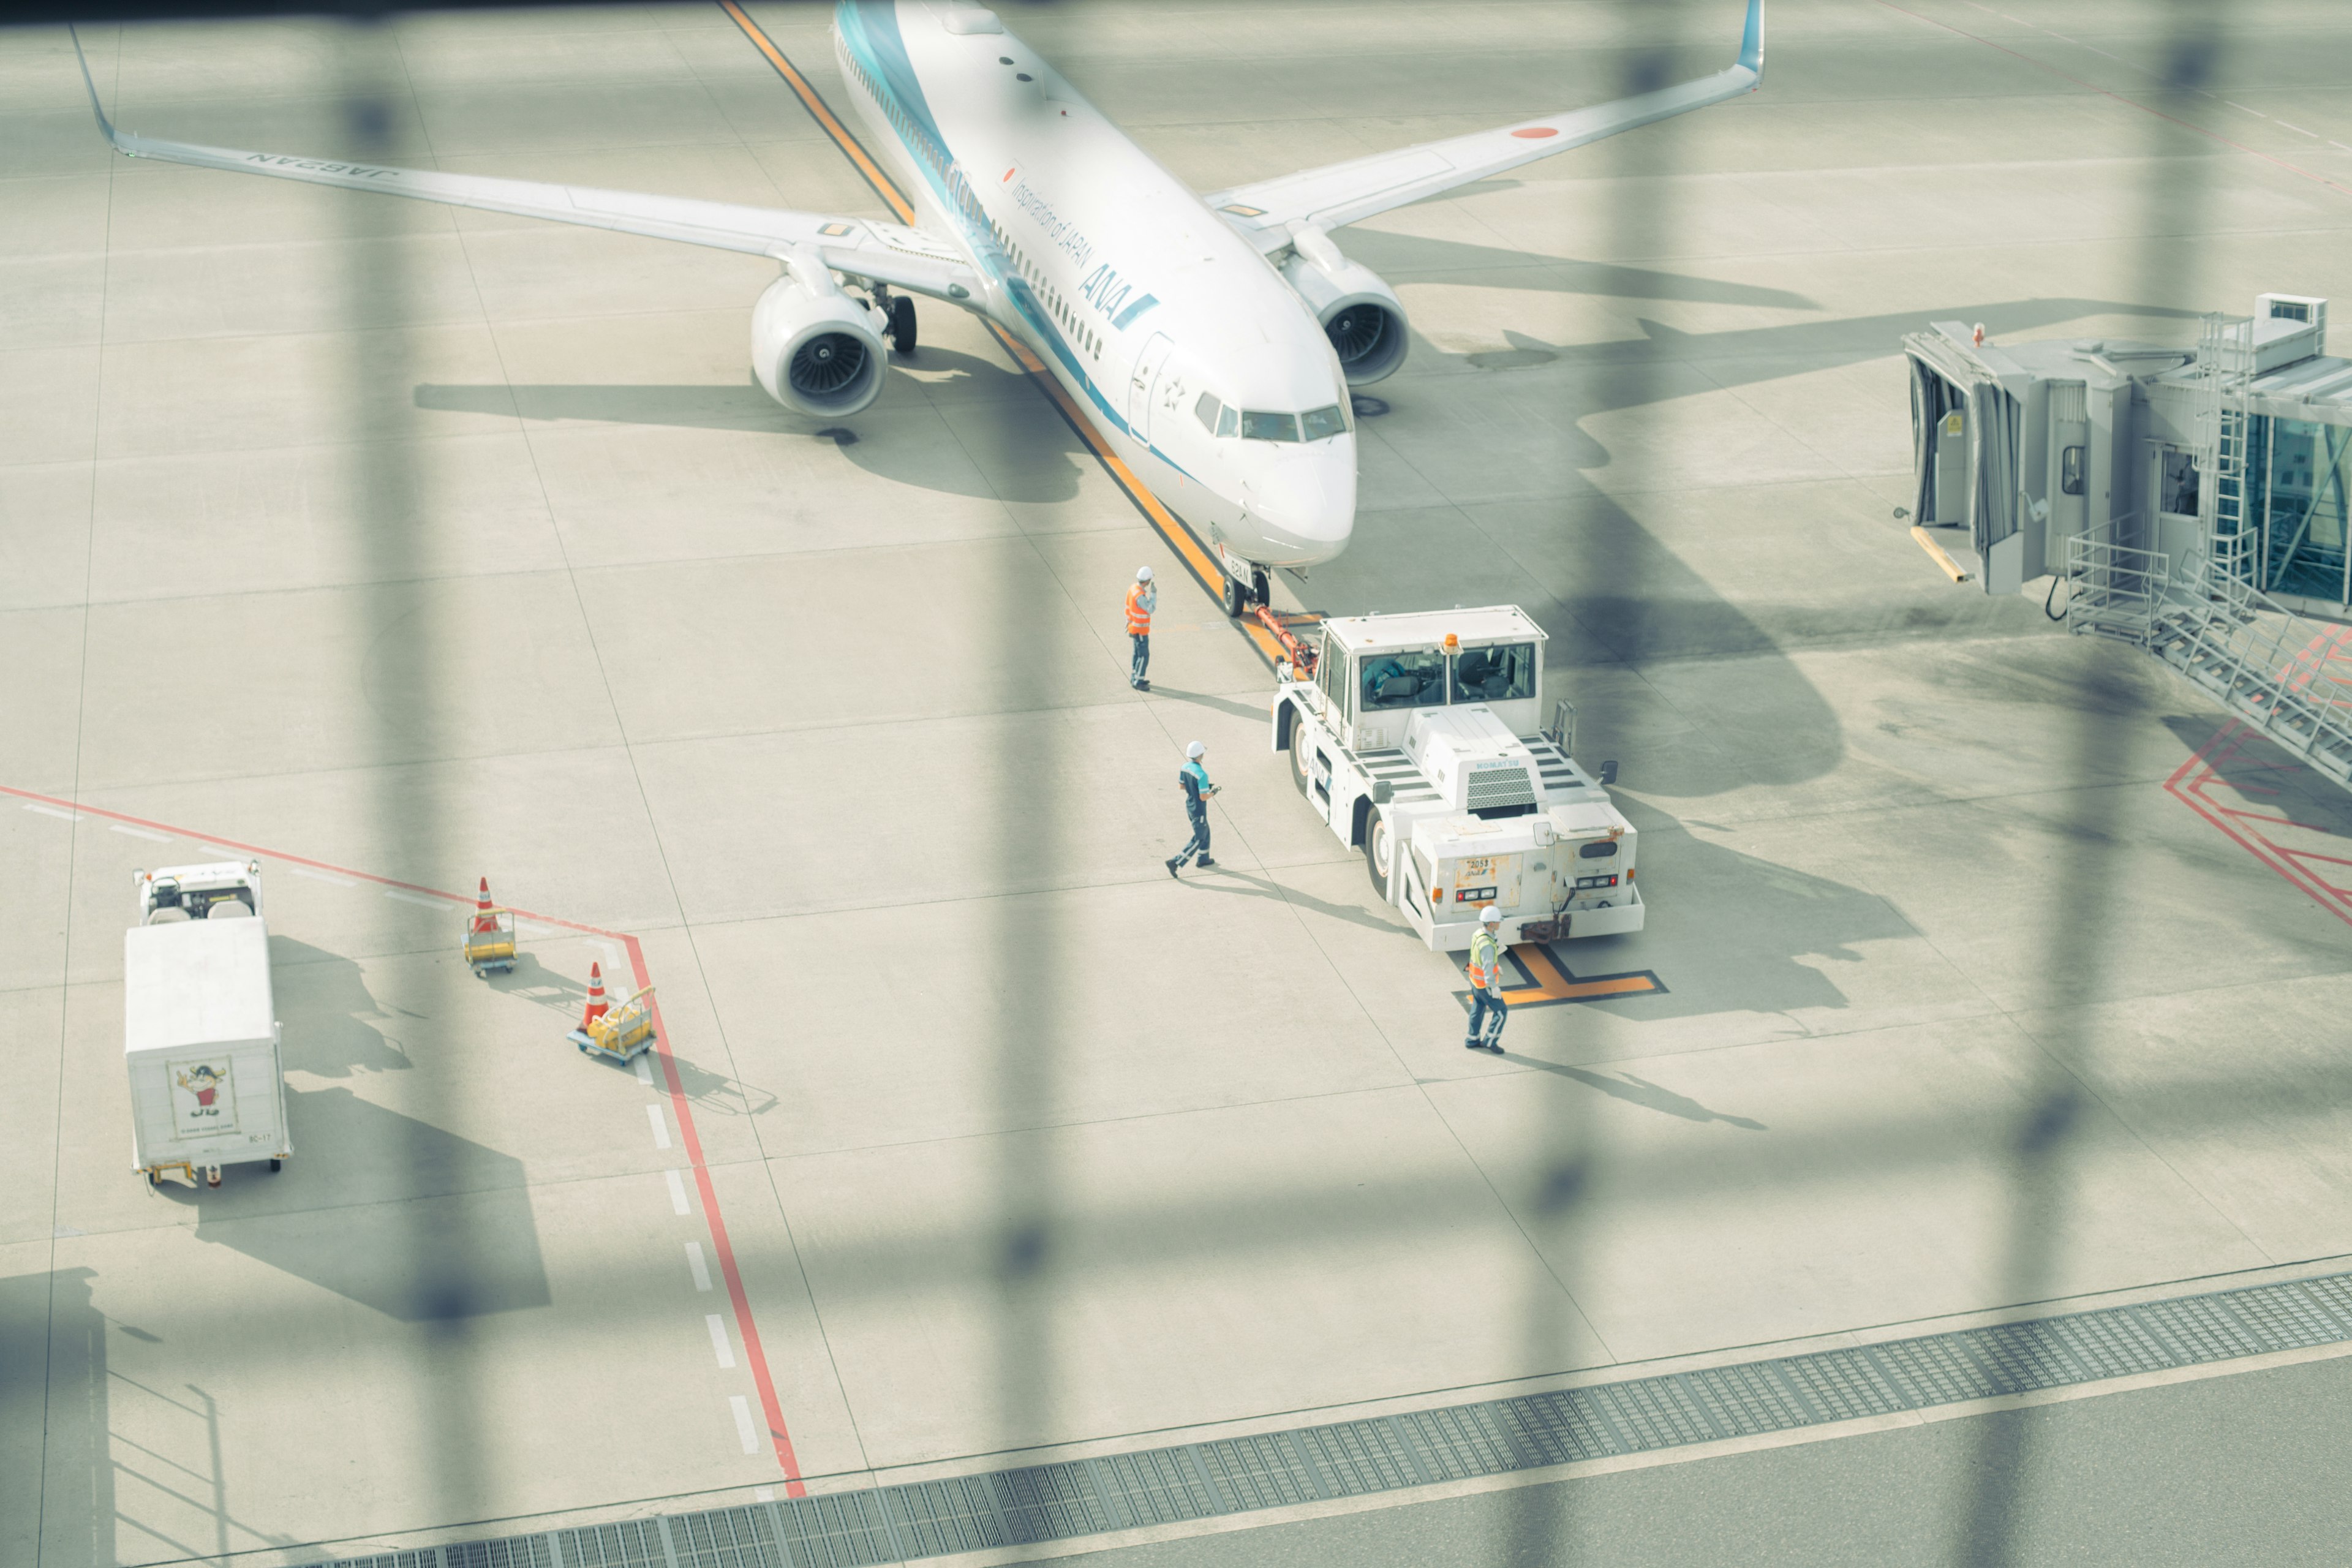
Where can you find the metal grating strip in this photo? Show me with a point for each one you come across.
(1078, 1497)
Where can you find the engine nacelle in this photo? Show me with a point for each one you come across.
(1360, 313)
(817, 352)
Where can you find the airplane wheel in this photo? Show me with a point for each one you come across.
(1236, 598)
(1261, 590)
(902, 324)
(1380, 853)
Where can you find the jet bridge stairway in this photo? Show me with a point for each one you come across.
(2268, 665)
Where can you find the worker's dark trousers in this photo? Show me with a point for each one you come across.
(1482, 1004)
(1200, 840)
(1142, 641)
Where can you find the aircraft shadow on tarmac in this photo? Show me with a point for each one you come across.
(1048, 457)
(418, 1223)
(1628, 597)
(1417, 258)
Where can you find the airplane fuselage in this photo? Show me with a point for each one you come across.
(1192, 358)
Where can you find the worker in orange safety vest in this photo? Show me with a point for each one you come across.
(1486, 984)
(1141, 600)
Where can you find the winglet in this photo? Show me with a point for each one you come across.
(104, 124)
(1751, 43)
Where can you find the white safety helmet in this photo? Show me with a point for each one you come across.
(1143, 574)
(1195, 751)
(1490, 915)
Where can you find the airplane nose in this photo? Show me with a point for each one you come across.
(1307, 499)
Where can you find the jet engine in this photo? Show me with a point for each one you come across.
(816, 350)
(1360, 313)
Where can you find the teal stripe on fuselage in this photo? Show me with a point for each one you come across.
(869, 28)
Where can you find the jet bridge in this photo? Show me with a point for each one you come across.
(2197, 503)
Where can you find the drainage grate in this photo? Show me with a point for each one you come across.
(1352, 1459)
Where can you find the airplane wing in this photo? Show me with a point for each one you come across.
(887, 253)
(1340, 194)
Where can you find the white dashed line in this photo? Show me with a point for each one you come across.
(677, 1192)
(322, 877)
(661, 1128)
(612, 954)
(726, 1352)
(415, 898)
(53, 811)
(525, 929)
(140, 832)
(743, 1428)
(763, 1494)
(224, 851)
(694, 1261)
(644, 1066)
(2298, 129)
(2255, 112)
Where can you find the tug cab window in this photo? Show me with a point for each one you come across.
(1494, 674)
(1414, 680)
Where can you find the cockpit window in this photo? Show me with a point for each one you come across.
(1229, 421)
(1494, 674)
(1207, 410)
(1322, 422)
(1258, 427)
(1414, 680)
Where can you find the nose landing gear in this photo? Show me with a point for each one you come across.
(1245, 586)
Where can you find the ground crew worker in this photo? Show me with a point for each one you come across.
(1486, 984)
(1194, 779)
(1141, 600)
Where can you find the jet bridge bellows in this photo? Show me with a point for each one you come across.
(2197, 503)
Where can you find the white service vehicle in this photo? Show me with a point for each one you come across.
(1419, 733)
(200, 1026)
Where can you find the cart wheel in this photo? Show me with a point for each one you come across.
(212, 1178)
(275, 1164)
(154, 1178)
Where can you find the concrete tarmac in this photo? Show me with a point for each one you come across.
(389, 541)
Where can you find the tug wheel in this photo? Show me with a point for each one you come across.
(1380, 853)
(1302, 768)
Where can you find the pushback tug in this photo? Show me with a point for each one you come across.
(1415, 738)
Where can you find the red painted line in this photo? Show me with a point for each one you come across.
(2191, 795)
(777, 1432)
(679, 1105)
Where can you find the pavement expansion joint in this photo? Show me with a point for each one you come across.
(1221, 1477)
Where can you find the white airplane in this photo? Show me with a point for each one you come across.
(1213, 338)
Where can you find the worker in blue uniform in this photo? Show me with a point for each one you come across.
(1194, 780)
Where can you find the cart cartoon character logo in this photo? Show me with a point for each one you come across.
(201, 1096)
(204, 1080)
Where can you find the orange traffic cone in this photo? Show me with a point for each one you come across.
(483, 919)
(596, 1008)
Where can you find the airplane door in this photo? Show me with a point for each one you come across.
(1139, 389)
